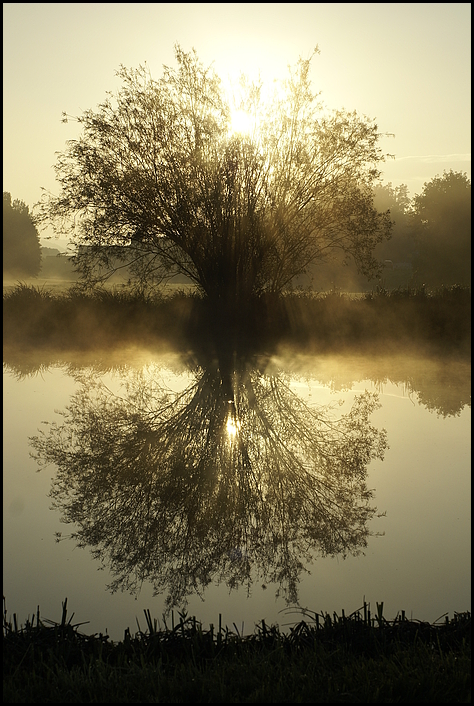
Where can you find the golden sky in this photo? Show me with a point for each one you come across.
(405, 64)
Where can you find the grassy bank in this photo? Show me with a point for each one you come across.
(401, 319)
(39, 317)
(321, 659)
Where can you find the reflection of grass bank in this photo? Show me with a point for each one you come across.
(400, 319)
(355, 659)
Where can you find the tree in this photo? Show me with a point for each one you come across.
(159, 183)
(442, 222)
(400, 247)
(21, 244)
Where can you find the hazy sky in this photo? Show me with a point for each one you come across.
(405, 64)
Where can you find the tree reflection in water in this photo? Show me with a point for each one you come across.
(233, 480)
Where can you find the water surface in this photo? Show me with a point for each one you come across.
(270, 496)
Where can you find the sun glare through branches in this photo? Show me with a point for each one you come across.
(241, 123)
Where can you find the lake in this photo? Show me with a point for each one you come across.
(259, 484)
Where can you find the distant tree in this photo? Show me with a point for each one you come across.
(400, 247)
(442, 222)
(159, 175)
(21, 244)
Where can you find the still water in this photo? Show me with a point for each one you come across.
(239, 489)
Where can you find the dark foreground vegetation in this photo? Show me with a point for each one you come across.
(403, 319)
(321, 659)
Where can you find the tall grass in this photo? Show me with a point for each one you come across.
(321, 659)
(398, 319)
(72, 319)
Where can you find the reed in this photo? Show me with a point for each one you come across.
(319, 658)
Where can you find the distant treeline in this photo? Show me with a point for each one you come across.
(382, 320)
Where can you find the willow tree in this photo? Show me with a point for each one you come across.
(159, 182)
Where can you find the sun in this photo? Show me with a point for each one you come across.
(241, 123)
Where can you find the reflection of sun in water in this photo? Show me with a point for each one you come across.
(232, 426)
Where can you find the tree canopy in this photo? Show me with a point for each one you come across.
(159, 182)
(442, 227)
(21, 245)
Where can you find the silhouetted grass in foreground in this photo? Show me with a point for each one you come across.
(439, 320)
(322, 659)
